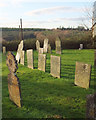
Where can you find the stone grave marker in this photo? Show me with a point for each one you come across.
(49, 48)
(45, 47)
(55, 66)
(42, 62)
(58, 45)
(20, 48)
(40, 51)
(91, 107)
(22, 57)
(95, 58)
(4, 50)
(30, 58)
(81, 47)
(82, 74)
(37, 45)
(13, 81)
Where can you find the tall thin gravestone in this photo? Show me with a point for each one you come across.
(22, 57)
(45, 47)
(55, 66)
(4, 50)
(37, 45)
(49, 48)
(82, 74)
(13, 81)
(30, 58)
(42, 62)
(58, 45)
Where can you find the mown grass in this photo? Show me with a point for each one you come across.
(44, 96)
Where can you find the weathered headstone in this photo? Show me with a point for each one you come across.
(82, 74)
(91, 107)
(20, 48)
(95, 58)
(13, 81)
(42, 62)
(40, 51)
(37, 45)
(49, 48)
(22, 57)
(4, 50)
(30, 58)
(55, 66)
(58, 45)
(45, 47)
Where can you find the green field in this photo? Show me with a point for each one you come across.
(44, 96)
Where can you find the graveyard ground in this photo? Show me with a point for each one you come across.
(44, 96)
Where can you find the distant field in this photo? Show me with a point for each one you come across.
(44, 96)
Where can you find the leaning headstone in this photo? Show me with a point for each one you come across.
(49, 48)
(13, 81)
(30, 58)
(55, 66)
(82, 74)
(22, 57)
(58, 45)
(42, 62)
(91, 107)
(4, 50)
(20, 48)
(95, 58)
(45, 47)
(37, 45)
(40, 51)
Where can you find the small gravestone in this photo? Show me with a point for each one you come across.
(58, 45)
(82, 74)
(45, 47)
(42, 62)
(30, 58)
(40, 51)
(55, 66)
(4, 50)
(95, 58)
(20, 48)
(91, 107)
(13, 81)
(22, 57)
(49, 48)
(81, 47)
(37, 45)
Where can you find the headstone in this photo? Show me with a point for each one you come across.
(55, 66)
(42, 62)
(95, 58)
(45, 47)
(82, 74)
(37, 45)
(58, 45)
(49, 48)
(30, 58)
(22, 57)
(91, 107)
(4, 50)
(20, 48)
(13, 81)
(81, 47)
(40, 51)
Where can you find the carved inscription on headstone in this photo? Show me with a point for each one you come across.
(37, 45)
(22, 57)
(13, 81)
(45, 47)
(40, 51)
(42, 62)
(91, 107)
(30, 58)
(4, 50)
(58, 45)
(55, 66)
(82, 74)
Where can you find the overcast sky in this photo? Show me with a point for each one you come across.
(45, 13)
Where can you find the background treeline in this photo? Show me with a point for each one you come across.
(71, 38)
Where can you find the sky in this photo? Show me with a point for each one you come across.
(45, 13)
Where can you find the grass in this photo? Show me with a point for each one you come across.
(44, 96)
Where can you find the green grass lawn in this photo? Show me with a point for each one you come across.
(44, 96)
